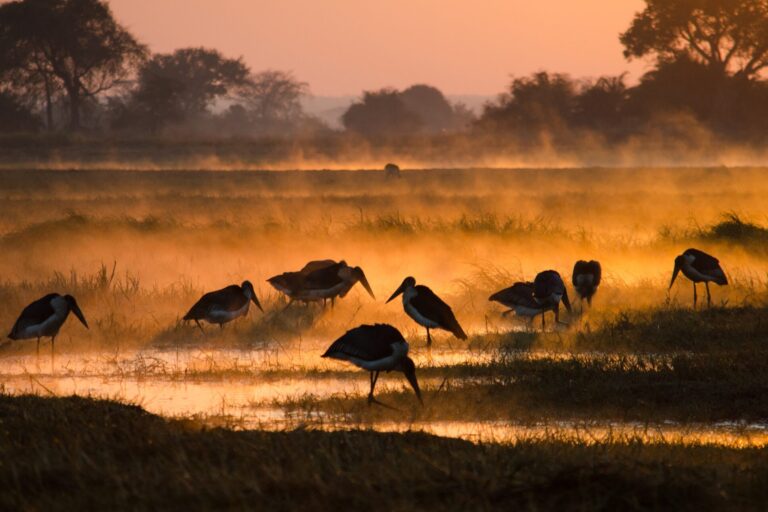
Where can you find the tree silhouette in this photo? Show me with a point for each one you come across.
(14, 116)
(273, 100)
(543, 102)
(381, 112)
(75, 43)
(181, 85)
(427, 102)
(730, 36)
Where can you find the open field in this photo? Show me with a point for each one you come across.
(639, 401)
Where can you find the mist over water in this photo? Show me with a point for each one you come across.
(139, 248)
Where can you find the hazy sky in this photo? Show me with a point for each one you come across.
(346, 46)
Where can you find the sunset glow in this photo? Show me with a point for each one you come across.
(346, 46)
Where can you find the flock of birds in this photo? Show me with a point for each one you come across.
(379, 347)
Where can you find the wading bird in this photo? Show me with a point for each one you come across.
(223, 305)
(548, 291)
(586, 278)
(519, 298)
(427, 309)
(699, 266)
(319, 281)
(376, 348)
(44, 317)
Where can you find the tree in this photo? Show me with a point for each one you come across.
(427, 102)
(179, 86)
(600, 105)
(543, 102)
(381, 112)
(14, 116)
(75, 43)
(273, 100)
(730, 36)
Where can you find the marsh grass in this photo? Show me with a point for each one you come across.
(687, 388)
(74, 453)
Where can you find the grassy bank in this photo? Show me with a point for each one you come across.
(70, 453)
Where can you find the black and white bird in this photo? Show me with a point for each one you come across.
(320, 280)
(225, 305)
(519, 299)
(586, 278)
(44, 317)
(548, 291)
(427, 309)
(699, 266)
(376, 348)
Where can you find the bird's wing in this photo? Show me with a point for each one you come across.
(519, 294)
(323, 278)
(580, 268)
(703, 262)
(431, 306)
(35, 313)
(366, 342)
(597, 271)
(316, 265)
(547, 283)
(230, 298)
(287, 282)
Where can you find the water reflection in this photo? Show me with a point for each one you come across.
(243, 388)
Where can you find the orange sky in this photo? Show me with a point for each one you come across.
(346, 46)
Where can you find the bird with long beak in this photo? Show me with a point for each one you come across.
(376, 348)
(427, 309)
(699, 266)
(519, 299)
(225, 305)
(320, 281)
(586, 278)
(44, 317)
(548, 291)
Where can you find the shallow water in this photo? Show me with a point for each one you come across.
(242, 388)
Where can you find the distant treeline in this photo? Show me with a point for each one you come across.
(68, 66)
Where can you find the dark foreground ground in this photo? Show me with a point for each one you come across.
(75, 454)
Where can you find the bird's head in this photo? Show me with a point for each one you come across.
(409, 370)
(408, 282)
(73, 307)
(679, 261)
(359, 275)
(251, 293)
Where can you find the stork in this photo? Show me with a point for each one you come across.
(427, 309)
(376, 348)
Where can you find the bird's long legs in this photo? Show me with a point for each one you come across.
(53, 341)
(694, 296)
(371, 400)
(38, 347)
(429, 338)
(374, 378)
(709, 298)
(200, 326)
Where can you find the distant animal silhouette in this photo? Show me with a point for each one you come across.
(392, 171)
(699, 266)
